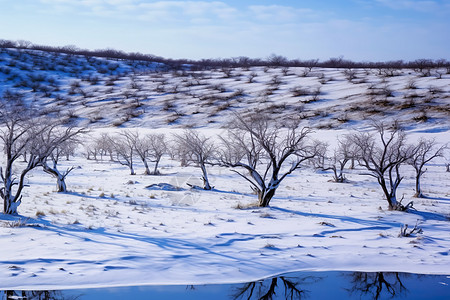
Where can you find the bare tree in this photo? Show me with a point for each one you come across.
(123, 146)
(16, 137)
(104, 145)
(425, 151)
(260, 147)
(312, 63)
(276, 60)
(383, 157)
(101, 145)
(158, 147)
(196, 148)
(252, 76)
(90, 150)
(423, 66)
(50, 165)
(24, 132)
(153, 147)
(142, 150)
(349, 74)
(343, 153)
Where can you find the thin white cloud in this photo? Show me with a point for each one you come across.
(149, 11)
(89, 2)
(427, 6)
(278, 13)
(174, 13)
(181, 11)
(188, 10)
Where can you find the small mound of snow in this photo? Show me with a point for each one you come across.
(164, 187)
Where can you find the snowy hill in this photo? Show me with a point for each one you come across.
(97, 92)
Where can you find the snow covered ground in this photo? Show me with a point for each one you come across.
(113, 229)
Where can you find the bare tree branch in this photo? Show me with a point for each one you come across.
(196, 148)
(425, 151)
(25, 133)
(263, 148)
(383, 157)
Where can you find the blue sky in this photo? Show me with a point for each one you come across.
(360, 30)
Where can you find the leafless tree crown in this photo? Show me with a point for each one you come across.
(266, 151)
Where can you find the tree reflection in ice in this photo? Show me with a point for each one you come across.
(375, 283)
(298, 285)
(279, 287)
(35, 295)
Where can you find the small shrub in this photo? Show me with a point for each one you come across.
(18, 223)
(267, 216)
(421, 118)
(251, 77)
(40, 213)
(411, 85)
(53, 211)
(404, 232)
(299, 91)
(323, 223)
(408, 104)
(435, 90)
(270, 246)
(245, 206)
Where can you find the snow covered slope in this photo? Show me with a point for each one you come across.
(98, 92)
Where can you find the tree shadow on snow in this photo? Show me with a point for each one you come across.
(430, 215)
(436, 198)
(78, 231)
(338, 217)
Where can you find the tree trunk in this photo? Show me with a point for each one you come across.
(264, 197)
(418, 193)
(393, 204)
(61, 186)
(390, 190)
(9, 204)
(130, 161)
(390, 194)
(338, 176)
(147, 170)
(10, 207)
(155, 170)
(206, 185)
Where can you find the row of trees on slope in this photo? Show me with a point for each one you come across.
(260, 150)
(264, 152)
(381, 153)
(242, 61)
